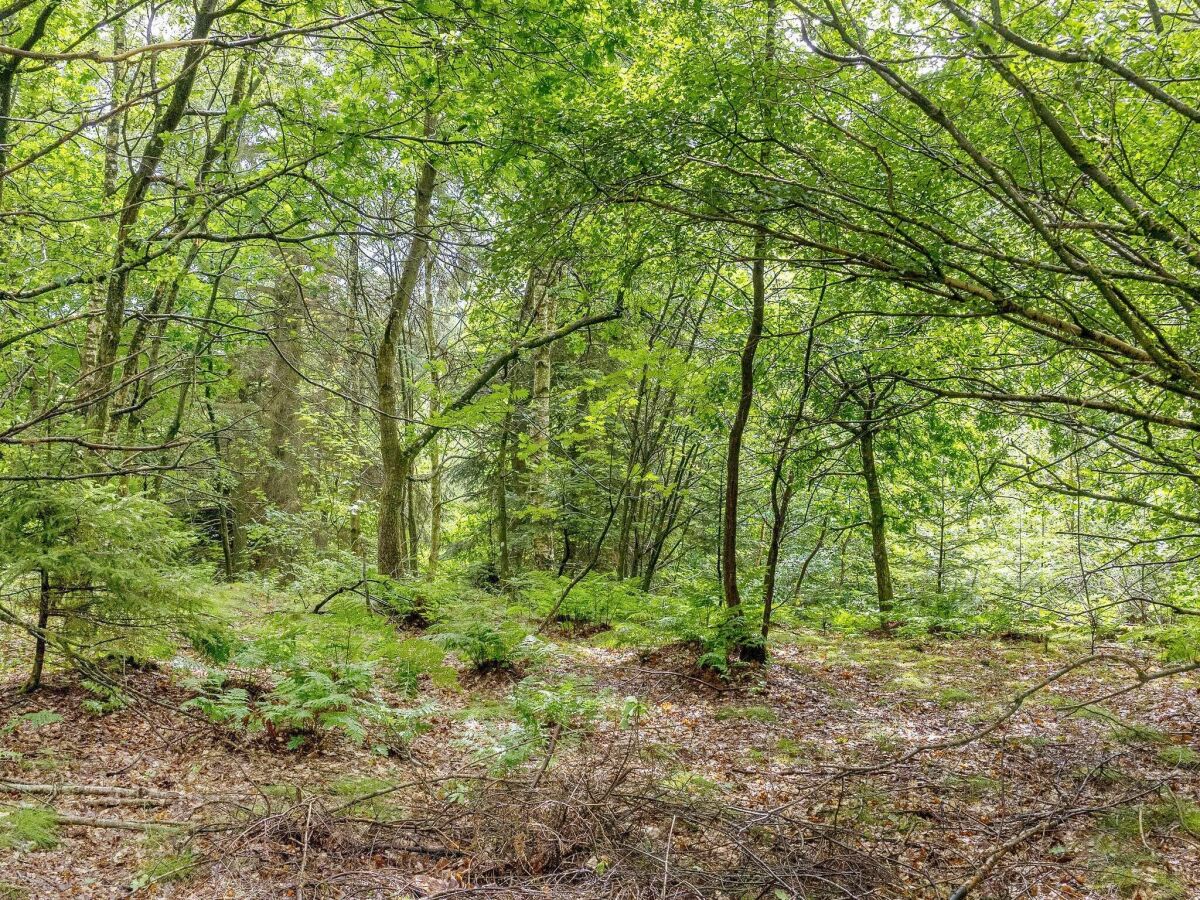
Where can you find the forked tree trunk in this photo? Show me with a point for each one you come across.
(392, 560)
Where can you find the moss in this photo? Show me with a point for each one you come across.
(1135, 872)
(1179, 757)
(953, 696)
(281, 791)
(910, 681)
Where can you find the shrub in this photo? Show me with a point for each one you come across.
(485, 646)
(109, 566)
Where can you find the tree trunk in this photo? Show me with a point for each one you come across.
(879, 552)
(780, 504)
(729, 530)
(282, 477)
(39, 647)
(539, 425)
(433, 354)
(502, 570)
(99, 385)
(391, 558)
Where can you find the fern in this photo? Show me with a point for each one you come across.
(32, 720)
(106, 699)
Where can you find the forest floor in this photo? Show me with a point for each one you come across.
(781, 783)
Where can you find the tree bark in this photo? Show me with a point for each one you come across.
(99, 385)
(545, 308)
(39, 647)
(729, 534)
(396, 462)
(282, 477)
(879, 552)
(433, 354)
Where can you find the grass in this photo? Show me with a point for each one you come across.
(1127, 863)
(28, 828)
(1139, 874)
(975, 787)
(486, 711)
(164, 869)
(1162, 817)
(378, 808)
(886, 742)
(353, 785)
(1138, 734)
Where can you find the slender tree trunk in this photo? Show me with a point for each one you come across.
(39, 647)
(778, 527)
(879, 552)
(503, 571)
(433, 354)
(99, 385)
(539, 424)
(8, 75)
(941, 551)
(392, 559)
(112, 134)
(733, 458)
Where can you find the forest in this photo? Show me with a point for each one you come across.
(734, 449)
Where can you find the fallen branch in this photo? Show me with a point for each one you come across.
(119, 824)
(94, 790)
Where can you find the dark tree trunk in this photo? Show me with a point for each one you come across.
(39, 647)
(733, 458)
(879, 552)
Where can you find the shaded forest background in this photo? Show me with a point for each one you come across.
(697, 325)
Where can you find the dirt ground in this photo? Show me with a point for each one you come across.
(782, 783)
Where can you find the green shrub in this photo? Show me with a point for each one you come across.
(113, 564)
(415, 657)
(486, 647)
(569, 704)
